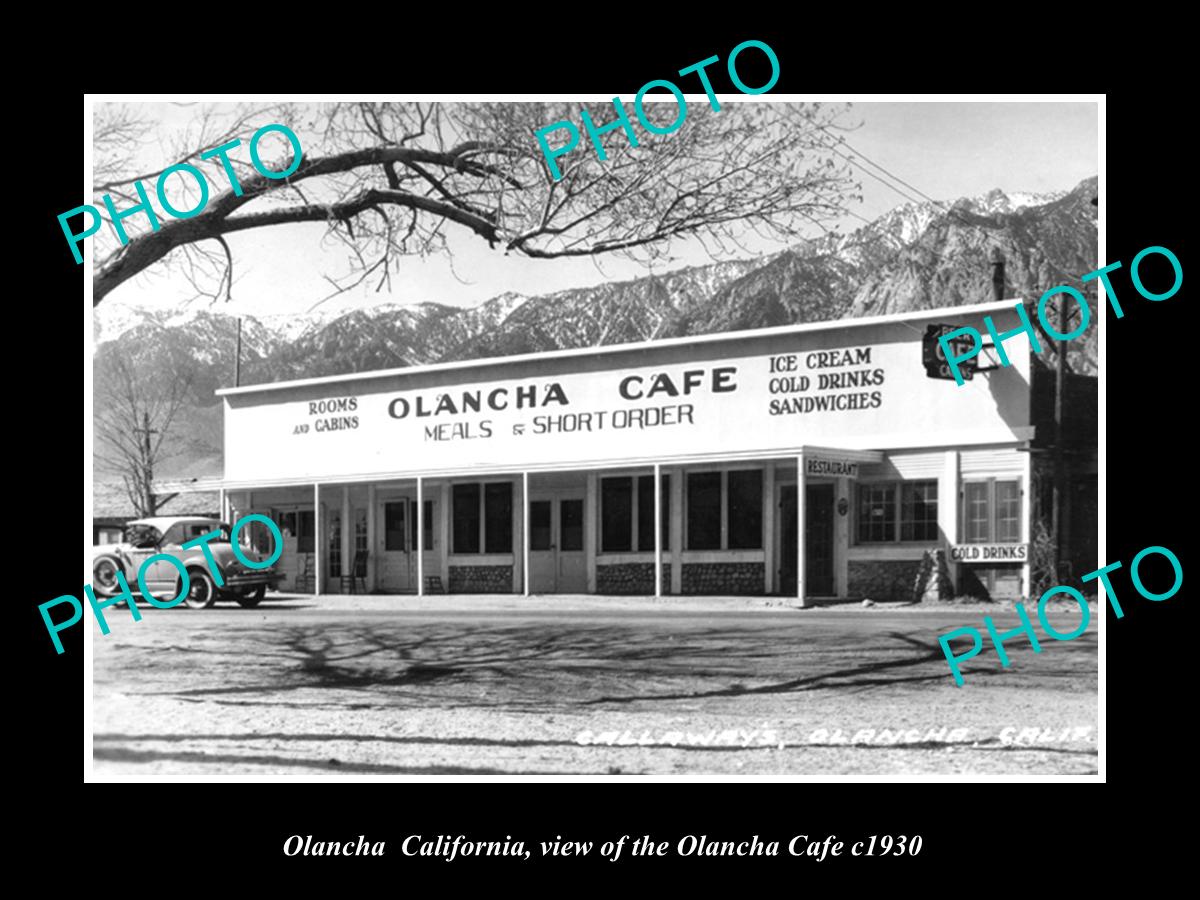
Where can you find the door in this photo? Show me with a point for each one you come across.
(557, 561)
(395, 545)
(818, 539)
(542, 559)
(788, 540)
(572, 561)
(395, 549)
(332, 571)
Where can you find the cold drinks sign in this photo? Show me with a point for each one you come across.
(854, 388)
(989, 553)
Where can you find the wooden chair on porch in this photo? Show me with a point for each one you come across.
(358, 572)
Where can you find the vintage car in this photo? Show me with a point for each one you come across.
(143, 538)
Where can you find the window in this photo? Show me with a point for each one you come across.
(296, 524)
(571, 525)
(254, 536)
(335, 545)
(876, 513)
(286, 520)
(142, 536)
(976, 516)
(305, 536)
(467, 498)
(992, 511)
(539, 525)
(393, 526)
(891, 511)
(498, 516)
(1008, 511)
(199, 529)
(175, 534)
(482, 518)
(616, 515)
(745, 510)
(360, 531)
(733, 498)
(918, 511)
(704, 511)
(627, 516)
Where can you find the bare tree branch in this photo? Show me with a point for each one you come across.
(748, 167)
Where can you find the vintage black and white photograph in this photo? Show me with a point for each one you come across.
(669, 438)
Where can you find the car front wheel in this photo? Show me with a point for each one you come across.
(251, 597)
(202, 593)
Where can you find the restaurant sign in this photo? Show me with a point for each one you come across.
(832, 467)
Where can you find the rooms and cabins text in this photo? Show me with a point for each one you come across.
(325, 422)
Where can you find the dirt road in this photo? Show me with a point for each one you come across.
(345, 686)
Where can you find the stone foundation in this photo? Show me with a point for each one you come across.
(891, 580)
(628, 578)
(481, 579)
(723, 578)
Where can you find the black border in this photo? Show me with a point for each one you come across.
(969, 830)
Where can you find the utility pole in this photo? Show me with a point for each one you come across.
(147, 465)
(1060, 381)
(237, 365)
(997, 274)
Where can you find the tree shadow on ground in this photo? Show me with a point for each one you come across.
(538, 666)
(855, 678)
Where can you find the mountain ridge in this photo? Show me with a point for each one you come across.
(915, 256)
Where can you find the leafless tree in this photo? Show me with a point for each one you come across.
(133, 421)
(389, 178)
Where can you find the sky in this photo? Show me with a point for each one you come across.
(945, 149)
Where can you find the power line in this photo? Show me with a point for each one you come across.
(866, 171)
(907, 197)
(864, 156)
(939, 204)
(948, 210)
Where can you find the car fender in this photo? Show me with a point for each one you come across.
(115, 551)
(199, 561)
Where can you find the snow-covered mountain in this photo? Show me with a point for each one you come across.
(916, 256)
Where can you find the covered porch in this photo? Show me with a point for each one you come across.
(726, 525)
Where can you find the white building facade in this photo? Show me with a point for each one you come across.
(810, 461)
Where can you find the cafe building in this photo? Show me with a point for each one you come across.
(808, 461)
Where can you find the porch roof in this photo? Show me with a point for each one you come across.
(814, 452)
